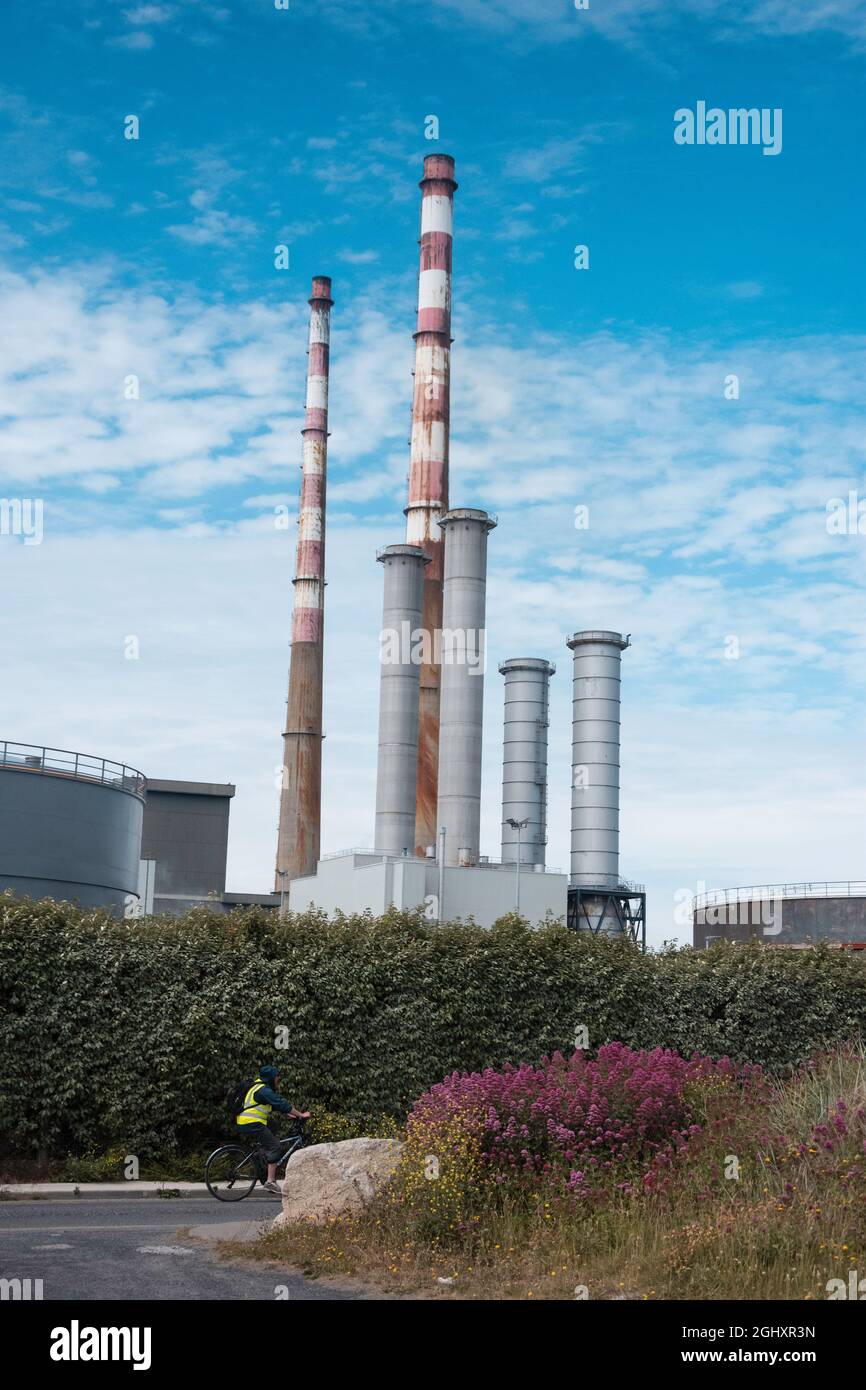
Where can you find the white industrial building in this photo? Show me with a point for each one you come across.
(367, 881)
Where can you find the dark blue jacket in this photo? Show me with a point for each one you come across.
(263, 1095)
(266, 1095)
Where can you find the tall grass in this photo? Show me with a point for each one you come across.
(765, 1200)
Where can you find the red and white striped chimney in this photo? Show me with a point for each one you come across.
(428, 473)
(299, 834)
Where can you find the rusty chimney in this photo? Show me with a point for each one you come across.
(299, 834)
(428, 471)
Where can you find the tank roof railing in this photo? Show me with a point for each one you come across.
(841, 888)
(80, 767)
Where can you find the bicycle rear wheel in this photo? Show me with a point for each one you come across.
(230, 1173)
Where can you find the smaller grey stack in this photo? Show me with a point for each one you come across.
(524, 758)
(595, 758)
(464, 605)
(399, 677)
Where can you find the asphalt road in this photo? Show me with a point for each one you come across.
(129, 1249)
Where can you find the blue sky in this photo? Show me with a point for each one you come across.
(602, 388)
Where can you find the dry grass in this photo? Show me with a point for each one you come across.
(794, 1219)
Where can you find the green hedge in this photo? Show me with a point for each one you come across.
(130, 1033)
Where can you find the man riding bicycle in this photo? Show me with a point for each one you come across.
(259, 1101)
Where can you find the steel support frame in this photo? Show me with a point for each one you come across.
(623, 913)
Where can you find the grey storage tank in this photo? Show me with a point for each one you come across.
(524, 758)
(70, 827)
(399, 678)
(463, 643)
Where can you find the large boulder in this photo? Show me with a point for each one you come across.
(333, 1179)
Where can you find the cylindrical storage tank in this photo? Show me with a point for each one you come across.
(524, 757)
(400, 669)
(463, 643)
(797, 915)
(595, 738)
(70, 827)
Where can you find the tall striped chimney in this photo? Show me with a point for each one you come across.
(299, 834)
(428, 471)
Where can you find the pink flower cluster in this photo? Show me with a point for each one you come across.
(578, 1122)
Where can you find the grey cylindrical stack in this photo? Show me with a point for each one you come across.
(524, 757)
(595, 758)
(399, 675)
(462, 689)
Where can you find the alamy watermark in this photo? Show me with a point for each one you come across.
(854, 1289)
(415, 646)
(737, 126)
(758, 909)
(846, 517)
(20, 1290)
(22, 516)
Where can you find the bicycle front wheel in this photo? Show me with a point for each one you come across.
(230, 1173)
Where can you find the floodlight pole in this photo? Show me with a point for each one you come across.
(517, 825)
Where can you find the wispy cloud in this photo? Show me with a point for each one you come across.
(622, 21)
(746, 289)
(150, 14)
(138, 41)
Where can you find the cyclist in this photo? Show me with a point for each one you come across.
(259, 1101)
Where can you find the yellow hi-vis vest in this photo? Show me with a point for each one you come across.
(253, 1114)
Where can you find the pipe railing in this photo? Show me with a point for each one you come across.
(720, 897)
(624, 887)
(481, 863)
(63, 762)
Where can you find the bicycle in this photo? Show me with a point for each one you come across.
(232, 1171)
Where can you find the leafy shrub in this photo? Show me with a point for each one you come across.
(111, 1166)
(324, 1127)
(437, 1185)
(130, 1033)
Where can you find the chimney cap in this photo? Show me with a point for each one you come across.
(594, 636)
(440, 167)
(321, 288)
(409, 552)
(527, 663)
(469, 514)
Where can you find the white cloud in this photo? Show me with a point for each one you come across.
(213, 227)
(149, 14)
(746, 289)
(623, 21)
(555, 157)
(137, 42)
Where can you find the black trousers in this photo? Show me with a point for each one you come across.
(260, 1134)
